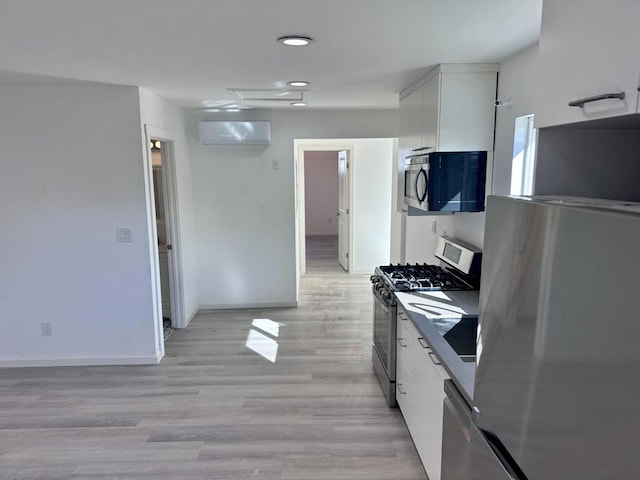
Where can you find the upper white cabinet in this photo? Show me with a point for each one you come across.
(588, 49)
(451, 108)
(410, 120)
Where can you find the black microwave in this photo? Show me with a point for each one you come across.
(446, 181)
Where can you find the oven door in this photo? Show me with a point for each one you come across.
(384, 330)
(415, 186)
(384, 343)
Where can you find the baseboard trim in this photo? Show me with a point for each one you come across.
(236, 306)
(84, 362)
(192, 316)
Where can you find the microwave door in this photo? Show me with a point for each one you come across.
(415, 186)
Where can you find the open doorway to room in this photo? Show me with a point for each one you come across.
(164, 234)
(324, 241)
(326, 211)
(365, 167)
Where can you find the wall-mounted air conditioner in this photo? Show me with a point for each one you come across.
(235, 133)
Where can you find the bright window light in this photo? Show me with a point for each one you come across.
(263, 345)
(524, 155)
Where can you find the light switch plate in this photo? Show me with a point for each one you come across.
(124, 235)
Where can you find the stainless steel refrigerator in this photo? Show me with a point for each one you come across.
(557, 386)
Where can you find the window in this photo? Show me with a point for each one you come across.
(524, 156)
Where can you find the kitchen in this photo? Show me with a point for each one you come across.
(530, 401)
(518, 73)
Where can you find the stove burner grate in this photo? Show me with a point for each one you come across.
(422, 277)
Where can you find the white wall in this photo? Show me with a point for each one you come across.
(516, 81)
(372, 171)
(371, 203)
(245, 209)
(321, 193)
(71, 173)
(158, 112)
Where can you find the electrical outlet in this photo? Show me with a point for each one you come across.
(275, 164)
(124, 235)
(46, 329)
(434, 226)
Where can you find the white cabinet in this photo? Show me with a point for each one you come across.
(449, 109)
(420, 394)
(410, 120)
(587, 48)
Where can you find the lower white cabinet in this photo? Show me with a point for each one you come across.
(420, 394)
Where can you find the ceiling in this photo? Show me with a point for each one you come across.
(192, 51)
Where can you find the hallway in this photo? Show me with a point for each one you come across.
(260, 394)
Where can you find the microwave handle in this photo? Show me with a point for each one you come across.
(422, 197)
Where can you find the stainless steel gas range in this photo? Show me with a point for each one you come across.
(459, 270)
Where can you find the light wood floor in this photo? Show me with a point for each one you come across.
(214, 408)
(322, 254)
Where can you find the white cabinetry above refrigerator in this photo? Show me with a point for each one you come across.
(588, 53)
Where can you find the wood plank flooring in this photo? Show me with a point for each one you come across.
(302, 403)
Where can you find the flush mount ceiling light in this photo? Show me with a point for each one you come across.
(295, 40)
(299, 104)
(298, 83)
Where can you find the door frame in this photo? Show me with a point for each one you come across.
(346, 206)
(318, 145)
(176, 281)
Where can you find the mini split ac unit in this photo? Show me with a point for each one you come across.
(235, 133)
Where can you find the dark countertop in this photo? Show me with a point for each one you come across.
(420, 307)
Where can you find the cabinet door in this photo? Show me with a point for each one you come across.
(404, 391)
(430, 112)
(467, 111)
(406, 339)
(410, 121)
(429, 387)
(587, 48)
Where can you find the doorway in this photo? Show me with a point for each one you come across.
(166, 267)
(163, 232)
(323, 211)
(325, 218)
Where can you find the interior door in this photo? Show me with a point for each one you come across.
(343, 209)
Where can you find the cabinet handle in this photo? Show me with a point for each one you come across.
(400, 341)
(434, 359)
(402, 316)
(422, 342)
(400, 388)
(582, 101)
